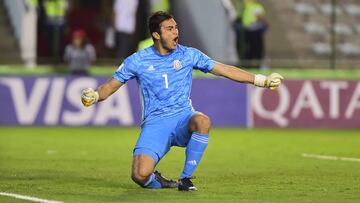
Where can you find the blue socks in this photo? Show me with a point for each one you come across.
(194, 151)
(152, 182)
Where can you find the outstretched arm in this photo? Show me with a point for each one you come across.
(90, 96)
(232, 73)
(272, 81)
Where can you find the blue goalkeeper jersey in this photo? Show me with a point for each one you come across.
(164, 80)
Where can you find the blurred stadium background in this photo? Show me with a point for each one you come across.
(298, 144)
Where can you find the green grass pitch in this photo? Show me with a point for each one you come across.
(240, 165)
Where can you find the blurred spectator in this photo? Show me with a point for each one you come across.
(55, 12)
(239, 28)
(125, 24)
(234, 9)
(79, 54)
(86, 15)
(255, 25)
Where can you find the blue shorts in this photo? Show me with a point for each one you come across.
(158, 135)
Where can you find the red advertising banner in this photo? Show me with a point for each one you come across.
(307, 104)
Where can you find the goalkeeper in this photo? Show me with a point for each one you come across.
(164, 74)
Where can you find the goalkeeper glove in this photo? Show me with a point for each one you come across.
(273, 81)
(89, 97)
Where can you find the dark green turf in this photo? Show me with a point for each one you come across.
(240, 165)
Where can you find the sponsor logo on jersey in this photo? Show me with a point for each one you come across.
(150, 68)
(177, 65)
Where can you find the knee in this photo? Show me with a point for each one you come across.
(202, 124)
(140, 176)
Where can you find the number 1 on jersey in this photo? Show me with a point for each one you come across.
(166, 80)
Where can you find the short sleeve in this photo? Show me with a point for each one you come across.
(201, 61)
(126, 71)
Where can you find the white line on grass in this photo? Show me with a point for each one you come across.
(325, 157)
(29, 198)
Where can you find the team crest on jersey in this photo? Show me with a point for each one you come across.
(177, 65)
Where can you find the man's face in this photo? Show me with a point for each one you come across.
(169, 34)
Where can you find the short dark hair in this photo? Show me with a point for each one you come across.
(156, 19)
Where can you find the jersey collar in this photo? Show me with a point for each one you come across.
(158, 54)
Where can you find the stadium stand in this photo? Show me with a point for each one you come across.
(357, 28)
(326, 9)
(303, 8)
(309, 29)
(299, 30)
(315, 28)
(321, 48)
(343, 29)
(349, 49)
(352, 9)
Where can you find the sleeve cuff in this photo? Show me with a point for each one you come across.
(119, 79)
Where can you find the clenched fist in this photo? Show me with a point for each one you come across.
(89, 97)
(273, 81)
